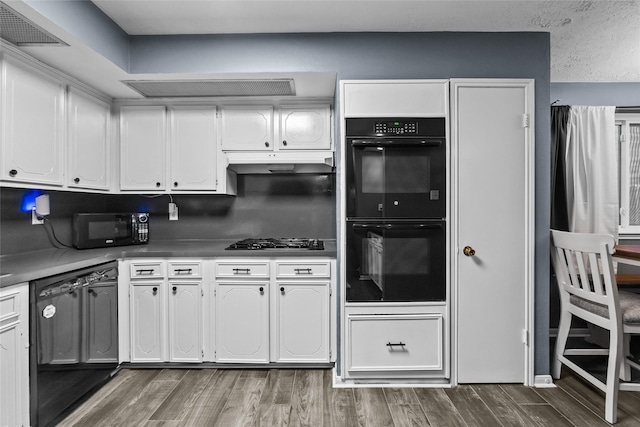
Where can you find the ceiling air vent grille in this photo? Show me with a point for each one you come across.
(226, 87)
(18, 30)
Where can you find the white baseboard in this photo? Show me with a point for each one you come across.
(543, 381)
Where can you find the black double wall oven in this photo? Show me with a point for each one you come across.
(396, 209)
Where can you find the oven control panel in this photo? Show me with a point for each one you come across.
(396, 127)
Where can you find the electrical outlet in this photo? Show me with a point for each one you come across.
(173, 212)
(34, 218)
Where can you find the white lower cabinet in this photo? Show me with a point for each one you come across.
(14, 355)
(166, 311)
(242, 319)
(273, 311)
(403, 344)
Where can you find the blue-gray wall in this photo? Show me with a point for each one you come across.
(625, 94)
(352, 56)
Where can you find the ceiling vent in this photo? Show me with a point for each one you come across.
(225, 87)
(19, 31)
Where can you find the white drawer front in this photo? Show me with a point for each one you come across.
(143, 270)
(285, 270)
(407, 342)
(185, 269)
(242, 270)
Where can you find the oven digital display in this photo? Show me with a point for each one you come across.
(396, 127)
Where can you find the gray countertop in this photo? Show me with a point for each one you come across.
(38, 264)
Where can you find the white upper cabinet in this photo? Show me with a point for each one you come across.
(247, 128)
(142, 148)
(193, 148)
(88, 124)
(286, 128)
(305, 127)
(395, 98)
(32, 126)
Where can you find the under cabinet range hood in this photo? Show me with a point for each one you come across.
(281, 162)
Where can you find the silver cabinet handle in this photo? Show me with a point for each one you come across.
(241, 271)
(303, 271)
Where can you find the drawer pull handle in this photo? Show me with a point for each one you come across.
(241, 271)
(145, 271)
(174, 289)
(282, 290)
(155, 290)
(302, 271)
(185, 271)
(396, 344)
(261, 290)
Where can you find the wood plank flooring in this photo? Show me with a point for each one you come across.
(288, 397)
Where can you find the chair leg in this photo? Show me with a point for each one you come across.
(561, 342)
(625, 368)
(613, 379)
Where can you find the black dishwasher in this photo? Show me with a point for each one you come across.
(74, 338)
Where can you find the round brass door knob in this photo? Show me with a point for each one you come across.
(469, 251)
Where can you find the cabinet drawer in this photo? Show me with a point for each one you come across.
(285, 270)
(242, 269)
(143, 270)
(185, 269)
(406, 342)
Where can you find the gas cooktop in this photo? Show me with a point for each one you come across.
(278, 243)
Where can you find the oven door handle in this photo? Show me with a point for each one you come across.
(422, 142)
(420, 226)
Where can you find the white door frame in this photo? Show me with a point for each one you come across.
(528, 338)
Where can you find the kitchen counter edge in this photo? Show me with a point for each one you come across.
(20, 268)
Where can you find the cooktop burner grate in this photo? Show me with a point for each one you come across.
(278, 243)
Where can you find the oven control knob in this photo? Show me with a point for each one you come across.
(468, 251)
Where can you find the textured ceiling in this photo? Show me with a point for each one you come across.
(591, 41)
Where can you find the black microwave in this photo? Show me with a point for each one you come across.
(101, 230)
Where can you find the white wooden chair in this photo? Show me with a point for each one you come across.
(588, 290)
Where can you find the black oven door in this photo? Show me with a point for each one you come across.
(396, 261)
(396, 178)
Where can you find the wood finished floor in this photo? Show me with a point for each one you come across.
(287, 397)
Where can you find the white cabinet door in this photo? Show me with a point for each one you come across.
(193, 148)
(147, 321)
(302, 313)
(88, 124)
(242, 322)
(305, 128)
(247, 128)
(32, 127)
(142, 148)
(14, 355)
(488, 117)
(185, 325)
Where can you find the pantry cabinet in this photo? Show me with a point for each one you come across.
(88, 141)
(31, 126)
(14, 355)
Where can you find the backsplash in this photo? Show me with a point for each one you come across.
(266, 206)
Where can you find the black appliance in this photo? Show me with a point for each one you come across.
(73, 337)
(396, 171)
(396, 168)
(101, 230)
(278, 243)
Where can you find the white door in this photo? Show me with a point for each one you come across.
(306, 127)
(31, 127)
(247, 128)
(142, 148)
(303, 320)
(89, 123)
(242, 322)
(147, 330)
(493, 146)
(185, 330)
(193, 148)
